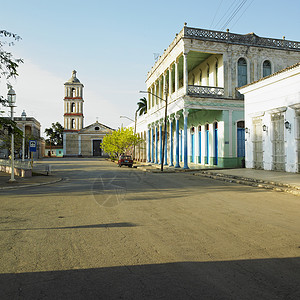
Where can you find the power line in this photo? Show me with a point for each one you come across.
(224, 16)
(234, 14)
(243, 13)
(217, 10)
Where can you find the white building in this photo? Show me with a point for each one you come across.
(199, 73)
(272, 115)
(79, 140)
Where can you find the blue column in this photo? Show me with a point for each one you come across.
(149, 145)
(156, 146)
(177, 142)
(152, 144)
(185, 161)
(160, 142)
(166, 148)
(171, 141)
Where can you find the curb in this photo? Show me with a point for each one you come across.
(271, 185)
(30, 185)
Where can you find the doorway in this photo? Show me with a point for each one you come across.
(97, 151)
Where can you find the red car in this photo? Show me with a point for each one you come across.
(125, 160)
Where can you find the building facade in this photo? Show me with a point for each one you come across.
(272, 120)
(79, 140)
(198, 75)
(31, 129)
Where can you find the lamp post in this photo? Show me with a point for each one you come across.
(165, 125)
(134, 129)
(11, 98)
(23, 115)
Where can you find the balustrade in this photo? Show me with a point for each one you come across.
(205, 91)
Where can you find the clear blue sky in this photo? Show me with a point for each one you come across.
(111, 45)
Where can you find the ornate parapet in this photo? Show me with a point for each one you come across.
(250, 39)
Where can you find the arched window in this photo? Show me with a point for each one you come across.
(72, 123)
(73, 93)
(200, 77)
(242, 72)
(207, 75)
(216, 70)
(267, 68)
(73, 107)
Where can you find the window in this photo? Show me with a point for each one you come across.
(72, 123)
(242, 72)
(73, 107)
(97, 128)
(73, 93)
(267, 68)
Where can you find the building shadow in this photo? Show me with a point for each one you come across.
(92, 226)
(276, 278)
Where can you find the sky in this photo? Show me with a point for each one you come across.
(111, 45)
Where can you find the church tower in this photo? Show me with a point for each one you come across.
(73, 104)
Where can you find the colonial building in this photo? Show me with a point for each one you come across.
(198, 75)
(31, 129)
(79, 140)
(272, 115)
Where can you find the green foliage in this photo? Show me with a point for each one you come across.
(142, 106)
(120, 141)
(55, 134)
(8, 64)
(5, 135)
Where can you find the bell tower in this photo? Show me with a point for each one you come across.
(73, 104)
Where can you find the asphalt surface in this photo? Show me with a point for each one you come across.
(105, 232)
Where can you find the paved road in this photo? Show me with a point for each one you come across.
(111, 233)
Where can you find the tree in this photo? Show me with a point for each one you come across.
(120, 141)
(142, 106)
(8, 65)
(55, 134)
(6, 130)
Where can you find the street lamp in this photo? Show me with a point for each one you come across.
(11, 99)
(23, 115)
(165, 125)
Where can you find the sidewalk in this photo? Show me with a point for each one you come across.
(35, 180)
(278, 181)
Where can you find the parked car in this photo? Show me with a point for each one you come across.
(125, 160)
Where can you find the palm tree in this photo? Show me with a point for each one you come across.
(142, 106)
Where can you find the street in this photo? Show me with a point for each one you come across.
(105, 232)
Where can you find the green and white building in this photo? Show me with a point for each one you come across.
(198, 75)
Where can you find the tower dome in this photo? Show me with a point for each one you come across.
(73, 79)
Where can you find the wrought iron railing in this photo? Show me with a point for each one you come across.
(244, 39)
(205, 91)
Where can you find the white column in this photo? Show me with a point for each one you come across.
(159, 90)
(170, 80)
(230, 132)
(185, 73)
(164, 85)
(176, 76)
(79, 144)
